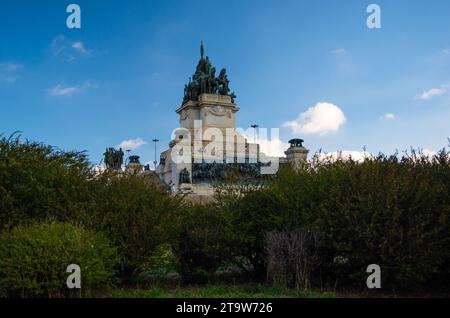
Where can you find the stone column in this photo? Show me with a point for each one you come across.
(297, 156)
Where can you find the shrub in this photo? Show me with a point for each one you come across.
(391, 212)
(201, 241)
(38, 181)
(292, 256)
(276, 204)
(251, 211)
(135, 213)
(34, 259)
(161, 263)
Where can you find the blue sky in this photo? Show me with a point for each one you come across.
(121, 76)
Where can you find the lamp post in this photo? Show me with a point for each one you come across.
(254, 126)
(128, 156)
(155, 162)
(202, 150)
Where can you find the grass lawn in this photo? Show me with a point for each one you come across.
(216, 291)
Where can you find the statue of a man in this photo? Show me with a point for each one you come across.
(120, 157)
(213, 81)
(223, 82)
(186, 94)
(202, 50)
(204, 83)
(185, 176)
(107, 157)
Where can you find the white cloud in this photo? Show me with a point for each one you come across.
(131, 144)
(64, 90)
(433, 92)
(339, 51)
(274, 147)
(9, 72)
(79, 46)
(389, 116)
(319, 119)
(9, 66)
(61, 90)
(358, 156)
(68, 50)
(428, 153)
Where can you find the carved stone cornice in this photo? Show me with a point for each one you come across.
(219, 111)
(210, 100)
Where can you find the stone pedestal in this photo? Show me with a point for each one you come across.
(134, 166)
(215, 111)
(297, 156)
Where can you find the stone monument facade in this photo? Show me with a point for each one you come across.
(296, 155)
(134, 165)
(209, 105)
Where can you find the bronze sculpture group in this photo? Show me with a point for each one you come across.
(113, 158)
(204, 81)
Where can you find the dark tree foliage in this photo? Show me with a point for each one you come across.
(201, 241)
(38, 181)
(136, 213)
(390, 211)
(34, 260)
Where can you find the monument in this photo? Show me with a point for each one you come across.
(134, 165)
(208, 105)
(296, 155)
(113, 158)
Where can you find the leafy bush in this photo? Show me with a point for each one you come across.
(277, 204)
(38, 181)
(201, 241)
(34, 259)
(292, 256)
(162, 262)
(135, 213)
(391, 212)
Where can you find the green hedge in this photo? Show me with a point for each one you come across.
(136, 214)
(391, 211)
(34, 259)
(38, 181)
(201, 241)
